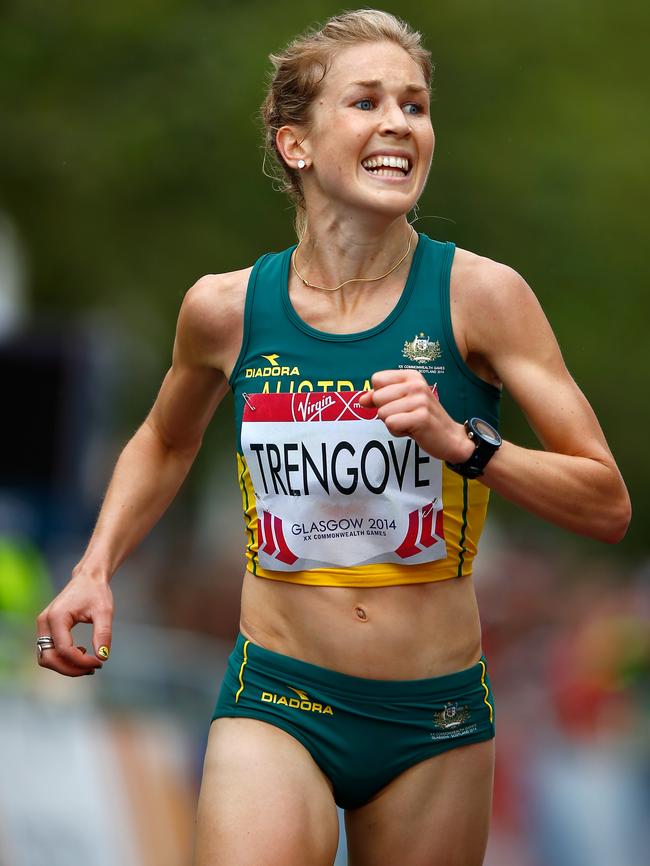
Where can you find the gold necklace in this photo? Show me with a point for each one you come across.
(356, 279)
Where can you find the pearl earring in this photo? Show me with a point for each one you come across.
(301, 163)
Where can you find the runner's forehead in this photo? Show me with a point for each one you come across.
(374, 65)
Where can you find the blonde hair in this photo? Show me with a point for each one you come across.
(298, 73)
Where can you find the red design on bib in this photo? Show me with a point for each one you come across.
(422, 528)
(270, 538)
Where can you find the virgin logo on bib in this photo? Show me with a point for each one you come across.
(334, 488)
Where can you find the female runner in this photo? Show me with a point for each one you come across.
(355, 360)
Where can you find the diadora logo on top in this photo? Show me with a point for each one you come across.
(278, 378)
(302, 702)
(273, 368)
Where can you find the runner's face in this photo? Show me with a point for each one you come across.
(374, 103)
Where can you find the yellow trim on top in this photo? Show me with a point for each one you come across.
(487, 691)
(387, 574)
(478, 500)
(241, 672)
(250, 511)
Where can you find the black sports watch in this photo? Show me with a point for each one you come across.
(487, 441)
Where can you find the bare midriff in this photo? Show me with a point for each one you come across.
(411, 631)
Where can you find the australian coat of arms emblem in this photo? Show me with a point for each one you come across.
(451, 716)
(421, 348)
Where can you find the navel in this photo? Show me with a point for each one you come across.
(361, 614)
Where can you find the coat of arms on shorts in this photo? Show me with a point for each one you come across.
(451, 716)
(421, 348)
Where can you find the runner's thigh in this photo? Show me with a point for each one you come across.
(436, 813)
(263, 800)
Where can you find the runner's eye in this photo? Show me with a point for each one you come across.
(413, 108)
(365, 104)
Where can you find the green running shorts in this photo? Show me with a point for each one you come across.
(362, 733)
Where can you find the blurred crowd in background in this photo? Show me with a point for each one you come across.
(128, 167)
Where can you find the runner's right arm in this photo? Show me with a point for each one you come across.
(151, 467)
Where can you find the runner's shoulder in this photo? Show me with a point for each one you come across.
(487, 295)
(496, 313)
(485, 281)
(212, 311)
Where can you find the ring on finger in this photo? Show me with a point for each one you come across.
(43, 643)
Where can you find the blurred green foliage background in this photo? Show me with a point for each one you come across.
(130, 163)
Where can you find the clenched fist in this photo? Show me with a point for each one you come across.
(409, 407)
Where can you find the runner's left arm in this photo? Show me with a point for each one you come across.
(573, 480)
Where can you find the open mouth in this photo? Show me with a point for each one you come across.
(387, 166)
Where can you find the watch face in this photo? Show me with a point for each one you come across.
(486, 431)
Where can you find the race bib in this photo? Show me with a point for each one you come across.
(334, 488)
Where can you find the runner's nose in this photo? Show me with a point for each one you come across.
(394, 121)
